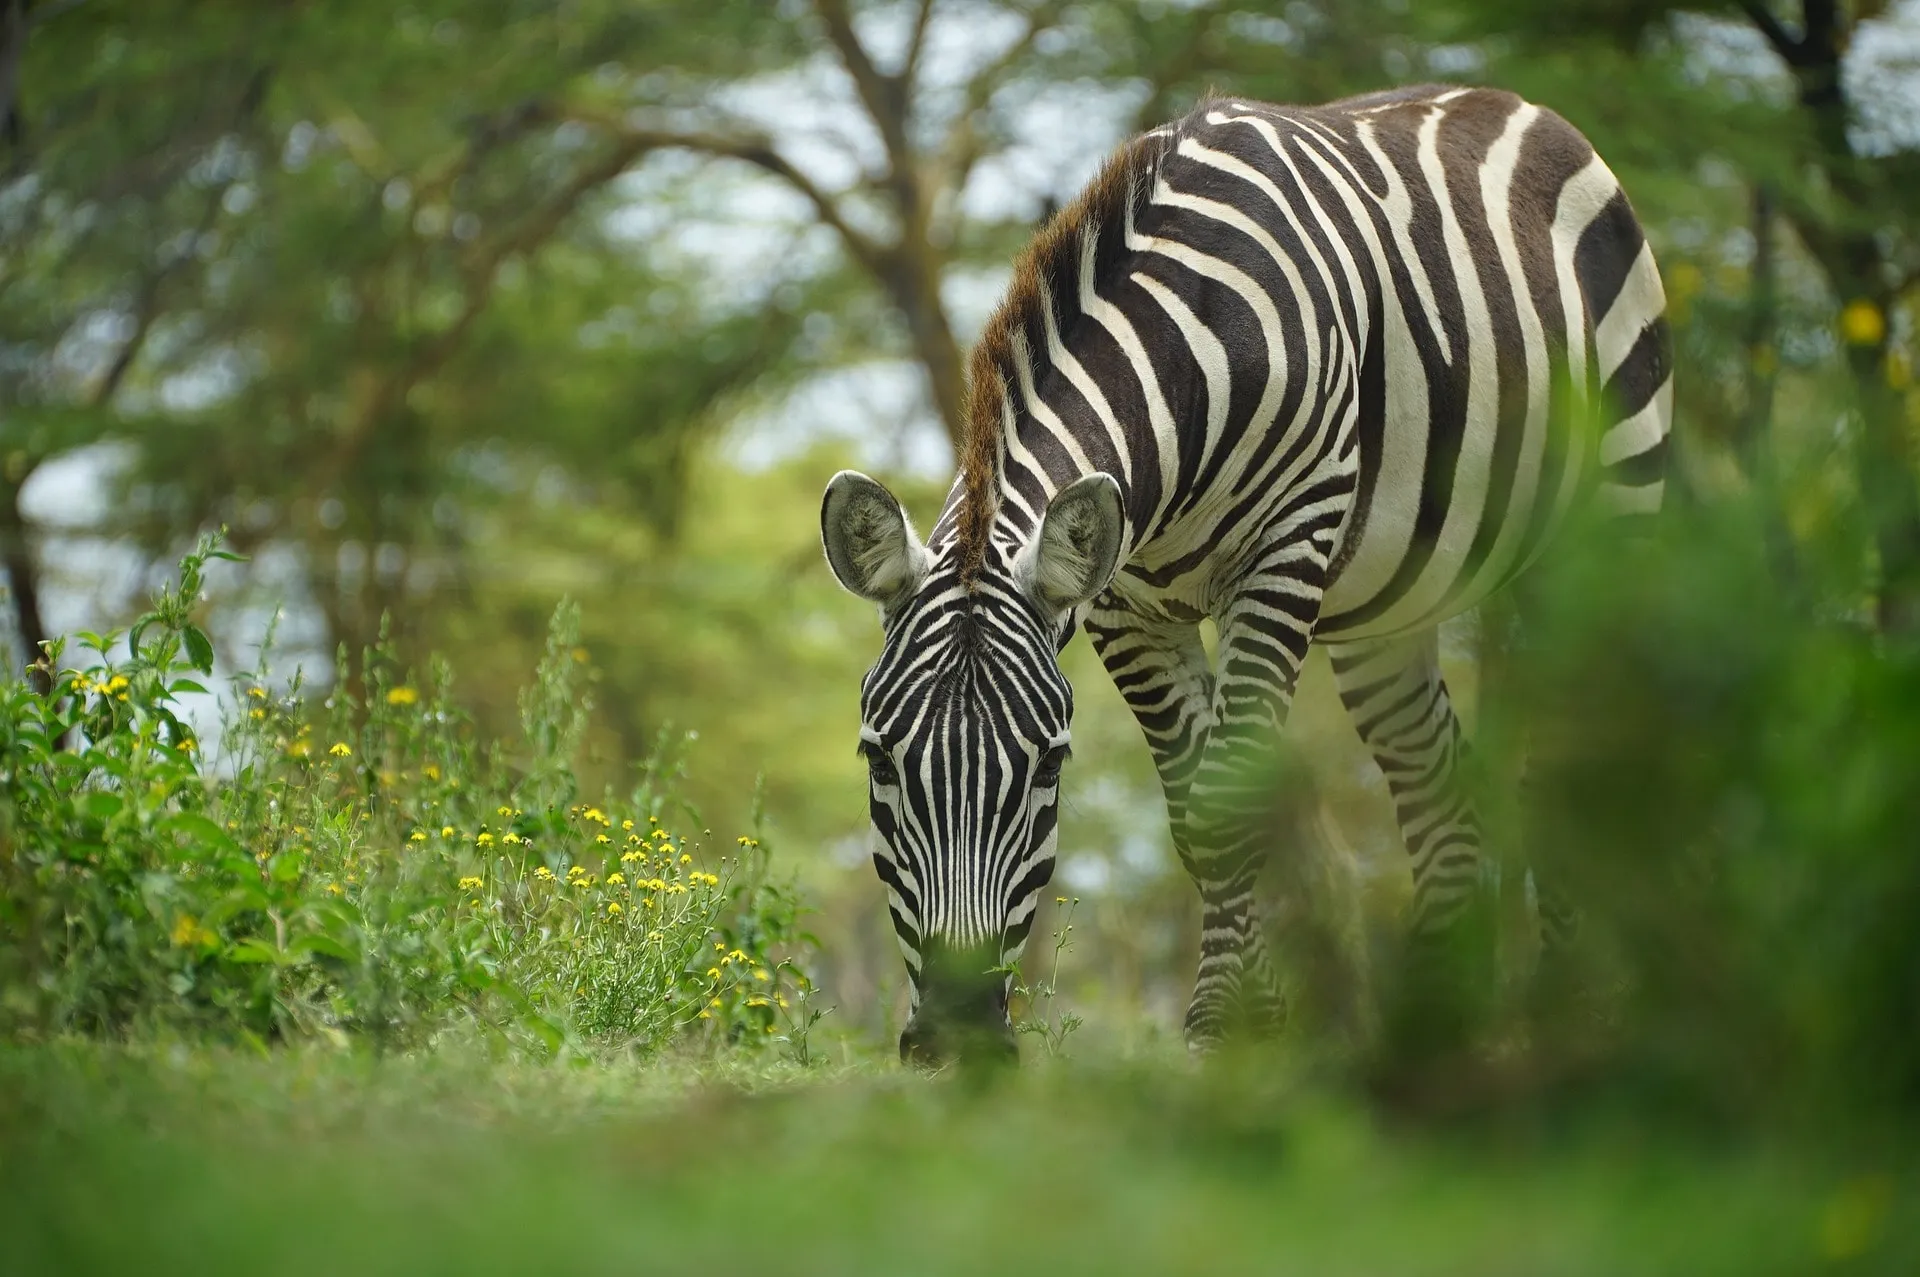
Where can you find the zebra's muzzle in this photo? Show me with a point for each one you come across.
(962, 1013)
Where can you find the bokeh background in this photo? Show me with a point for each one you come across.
(448, 310)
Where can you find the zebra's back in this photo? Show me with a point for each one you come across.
(1450, 277)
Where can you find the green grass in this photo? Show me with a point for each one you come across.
(310, 1162)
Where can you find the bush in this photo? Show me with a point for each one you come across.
(360, 867)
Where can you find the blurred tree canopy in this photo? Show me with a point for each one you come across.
(452, 306)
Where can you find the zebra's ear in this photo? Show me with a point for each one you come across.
(870, 545)
(1078, 548)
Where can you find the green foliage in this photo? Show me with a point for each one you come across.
(314, 1163)
(1721, 775)
(361, 868)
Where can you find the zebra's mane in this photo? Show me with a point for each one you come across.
(1047, 272)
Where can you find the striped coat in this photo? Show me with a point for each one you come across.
(1344, 369)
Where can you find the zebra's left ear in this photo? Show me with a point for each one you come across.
(1078, 548)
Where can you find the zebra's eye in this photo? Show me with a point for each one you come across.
(879, 766)
(1047, 774)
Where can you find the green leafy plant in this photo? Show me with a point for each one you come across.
(1044, 1019)
(361, 867)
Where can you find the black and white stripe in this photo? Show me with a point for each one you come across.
(1343, 366)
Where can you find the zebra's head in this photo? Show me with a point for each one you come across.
(964, 723)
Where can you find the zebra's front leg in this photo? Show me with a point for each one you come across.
(1264, 635)
(1161, 668)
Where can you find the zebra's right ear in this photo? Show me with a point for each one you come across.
(870, 545)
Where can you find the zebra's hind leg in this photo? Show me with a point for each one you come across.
(1398, 702)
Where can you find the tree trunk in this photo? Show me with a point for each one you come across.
(916, 290)
(23, 578)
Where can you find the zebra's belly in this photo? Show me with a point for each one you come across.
(1451, 508)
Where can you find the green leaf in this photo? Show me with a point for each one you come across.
(199, 649)
(252, 951)
(102, 806)
(245, 897)
(180, 685)
(197, 828)
(324, 945)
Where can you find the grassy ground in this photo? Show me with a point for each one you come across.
(187, 1161)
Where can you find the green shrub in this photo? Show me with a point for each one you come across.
(361, 866)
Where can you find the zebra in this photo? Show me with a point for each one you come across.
(1327, 374)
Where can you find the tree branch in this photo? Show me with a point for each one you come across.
(916, 44)
(761, 153)
(878, 90)
(963, 148)
(1790, 49)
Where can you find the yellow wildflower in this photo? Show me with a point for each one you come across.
(655, 884)
(601, 840)
(613, 906)
(1059, 900)
(471, 884)
(185, 746)
(258, 693)
(675, 889)
(575, 869)
(630, 857)
(686, 860)
(615, 880)
(483, 839)
(761, 975)
(626, 824)
(596, 815)
(117, 682)
(713, 973)
(334, 888)
(340, 749)
(256, 714)
(544, 874)
(402, 696)
(512, 839)
(748, 842)
(446, 831)
(187, 932)
(736, 956)
(430, 771)
(1862, 323)
(299, 749)
(706, 1015)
